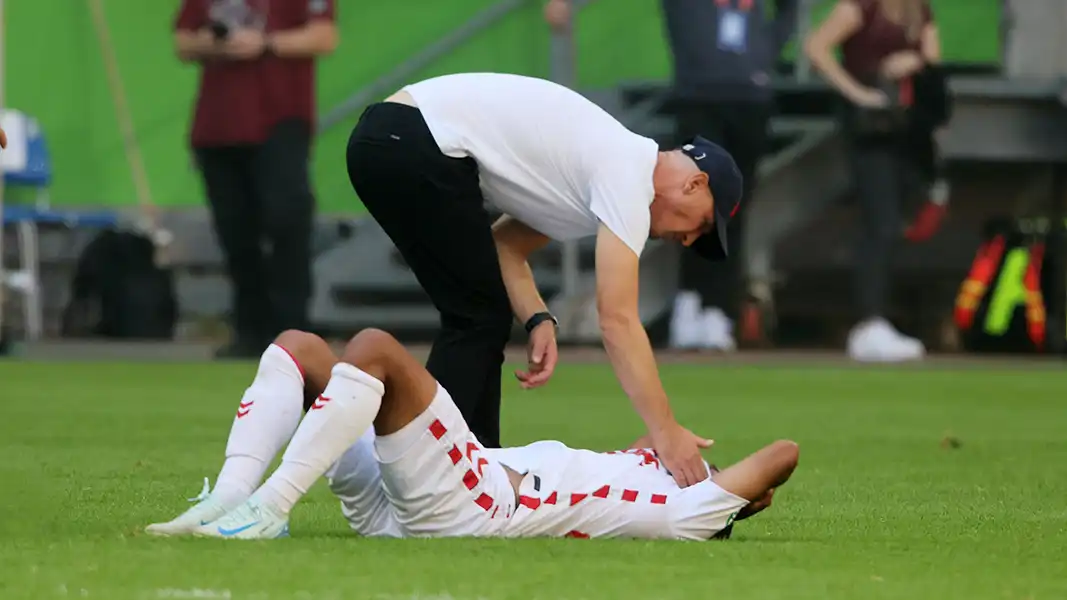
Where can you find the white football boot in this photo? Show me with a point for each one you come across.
(252, 520)
(208, 508)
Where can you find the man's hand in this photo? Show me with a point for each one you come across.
(245, 44)
(542, 355)
(558, 14)
(679, 451)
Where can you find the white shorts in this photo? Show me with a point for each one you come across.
(438, 479)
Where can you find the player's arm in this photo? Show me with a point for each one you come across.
(515, 242)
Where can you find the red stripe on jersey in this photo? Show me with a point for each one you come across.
(455, 455)
(485, 502)
(530, 503)
(437, 429)
(629, 495)
(577, 534)
(659, 499)
(470, 480)
(551, 498)
(602, 492)
(576, 498)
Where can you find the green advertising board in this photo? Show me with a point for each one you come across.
(54, 72)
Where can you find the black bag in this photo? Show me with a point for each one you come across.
(119, 292)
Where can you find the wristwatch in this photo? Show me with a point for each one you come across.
(539, 318)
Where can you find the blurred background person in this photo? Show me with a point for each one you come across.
(251, 135)
(882, 43)
(724, 52)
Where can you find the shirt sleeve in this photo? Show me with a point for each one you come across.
(322, 9)
(192, 15)
(622, 205)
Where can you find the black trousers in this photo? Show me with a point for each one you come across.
(263, 209)
(884, 178)
(432, 208)
(740, 128)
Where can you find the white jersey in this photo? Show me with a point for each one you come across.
(433, 479)
(546, 155)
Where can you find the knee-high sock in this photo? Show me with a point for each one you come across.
(266, 418)
(344, 411)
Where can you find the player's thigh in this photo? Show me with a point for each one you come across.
(439, 480)
(704, 509)
(356, 480)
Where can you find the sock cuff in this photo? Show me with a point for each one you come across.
(354, 373)
(279, 358)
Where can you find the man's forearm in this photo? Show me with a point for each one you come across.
(630, 352)
(193, 46)
(314, 39)
(525, 300)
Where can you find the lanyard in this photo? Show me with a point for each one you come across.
(742, 5)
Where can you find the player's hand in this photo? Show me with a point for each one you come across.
(246, 44)
(558, 14)
(3, 139)
(679, 451)
(542, 354)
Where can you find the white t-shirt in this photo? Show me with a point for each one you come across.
(546, 155)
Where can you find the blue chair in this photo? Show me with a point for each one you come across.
(30, 167)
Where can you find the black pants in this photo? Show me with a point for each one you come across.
(884, 178)
(740, 128)
(263, 209)
(432, 208)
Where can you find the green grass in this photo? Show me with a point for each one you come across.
(877, 509)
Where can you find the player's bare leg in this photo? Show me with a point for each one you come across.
(376, 382)
(292, 372)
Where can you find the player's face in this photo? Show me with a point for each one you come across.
(684, 210)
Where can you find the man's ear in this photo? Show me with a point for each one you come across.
(697, 182)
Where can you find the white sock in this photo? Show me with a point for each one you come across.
(266, 418)
(339, 417)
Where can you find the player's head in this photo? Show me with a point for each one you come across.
(697, 191)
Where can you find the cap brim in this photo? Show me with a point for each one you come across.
(712, 245)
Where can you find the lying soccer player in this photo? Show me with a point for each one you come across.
(420, 472)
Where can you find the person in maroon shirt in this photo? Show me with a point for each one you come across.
(884, 44)
(251, 136)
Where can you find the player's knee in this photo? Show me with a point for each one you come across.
(301, 345)
(787, 454)
(369, 350)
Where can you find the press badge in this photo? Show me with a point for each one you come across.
(733, 31)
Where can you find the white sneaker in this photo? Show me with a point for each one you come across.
(718, 331)
(686, 322)
(251, 520)
(208, 508)
(875, 340)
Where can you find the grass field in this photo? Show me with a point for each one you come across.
(878, 508)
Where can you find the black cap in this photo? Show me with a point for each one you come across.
(726, 184)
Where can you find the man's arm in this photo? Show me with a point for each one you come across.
(317, 38)
(515, 241)
(625, 338)
(197, 45)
